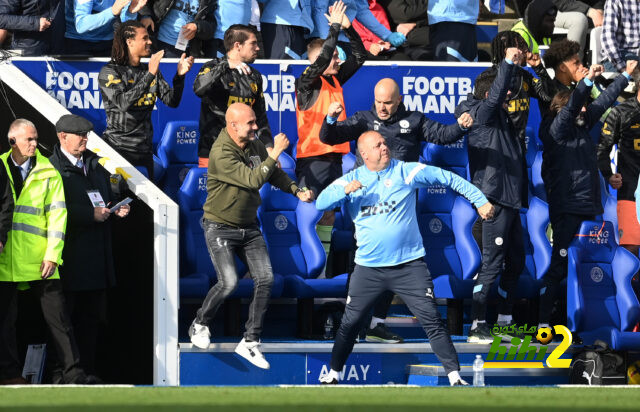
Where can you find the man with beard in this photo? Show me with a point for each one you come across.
(222, 82)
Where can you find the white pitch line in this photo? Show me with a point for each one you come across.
(65, 386)
(601, 386)
(350, 386)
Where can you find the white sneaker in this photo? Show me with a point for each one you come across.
(251, 352)
(328, 380)
(200, 335)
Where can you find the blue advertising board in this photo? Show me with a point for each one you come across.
(434, 89)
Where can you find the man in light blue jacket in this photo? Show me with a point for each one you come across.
(380, 197)
(90, 24)
(285, 26)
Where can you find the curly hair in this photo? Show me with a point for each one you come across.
(503, 41)
(124, 32)
(559, 52)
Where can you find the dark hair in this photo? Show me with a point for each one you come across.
(483, 83)
(503, 41)
(559, 101)
(314, 45)
(237, 33)
(560, 51)
(120, 49)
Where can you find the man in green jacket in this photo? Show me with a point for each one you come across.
(238, 167)
(538, 24)
(34, 251)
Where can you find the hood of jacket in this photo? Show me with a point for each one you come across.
(533, 15)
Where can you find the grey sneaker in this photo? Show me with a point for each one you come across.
(382, 334)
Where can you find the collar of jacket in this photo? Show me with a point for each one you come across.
(371, 176)
(42, 170)
(228, 141)
(60, 161)
(400, 113)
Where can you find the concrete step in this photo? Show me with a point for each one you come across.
(434, 375)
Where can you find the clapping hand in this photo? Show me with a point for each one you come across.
(184, 65)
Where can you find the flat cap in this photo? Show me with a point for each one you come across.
(71, 123)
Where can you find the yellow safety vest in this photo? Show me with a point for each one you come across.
(523, 30)
(39, 223)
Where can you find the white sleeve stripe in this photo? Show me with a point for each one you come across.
(340, 182)
(414, 172)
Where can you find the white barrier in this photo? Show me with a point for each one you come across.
(165, 237)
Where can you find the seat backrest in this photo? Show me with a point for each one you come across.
(599, 293)
(534, 225)
(450, 247)
(288, 227)
(610, 206)
(452, 157)
(348, 162)
(536, 177)
(179, 143)
(191, 197)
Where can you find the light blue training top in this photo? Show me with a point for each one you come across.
(384, 210)
(92, 20)
(182, 12)
(460, 11)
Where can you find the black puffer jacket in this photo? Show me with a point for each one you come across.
(22, 17)
(205, 20)
(496, 157)
(569, 164)
(403, 131)
(87, 254)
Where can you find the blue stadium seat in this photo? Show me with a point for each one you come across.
(610, 205)
(601, 303)
(536, 177)
(178, 152)
(348, 163)
(296, 251)
(452, 157)
(195, 259)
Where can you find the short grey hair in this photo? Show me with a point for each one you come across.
(18, 123)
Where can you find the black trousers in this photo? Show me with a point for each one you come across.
(49, 293)
(455, 42)
(502, 253)
(564, 228)
(282, 41)
(412, 282)
(88, 310)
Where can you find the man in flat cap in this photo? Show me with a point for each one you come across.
(33, 252)
(88, 262)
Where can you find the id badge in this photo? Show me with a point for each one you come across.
(182, 42)
(96, 198)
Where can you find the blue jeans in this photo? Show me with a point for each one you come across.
(224, 242)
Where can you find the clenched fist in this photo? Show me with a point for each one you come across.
(486, 211)
(352, 187)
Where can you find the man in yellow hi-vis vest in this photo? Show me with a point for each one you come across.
(33, 252)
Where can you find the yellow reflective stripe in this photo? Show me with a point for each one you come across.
(23, 227)
(31, 210)
(54, 206)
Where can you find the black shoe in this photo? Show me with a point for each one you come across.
(511, 330)
(83, 379)
(382, 334)
(481, 334)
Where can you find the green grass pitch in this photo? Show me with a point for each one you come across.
(520, 399)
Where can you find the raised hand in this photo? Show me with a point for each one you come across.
(148, 22)
(154, 62)
(335, 109)
(595, 70)
(514, 54)
(280, 143)
(337, 15)
(184, 65)
(136, 5)
(305, 195)
(465, 120)
(631, 66)
(118, 5)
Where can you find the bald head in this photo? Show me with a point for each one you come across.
(241, 123)
(374, 151)
(387, 98)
